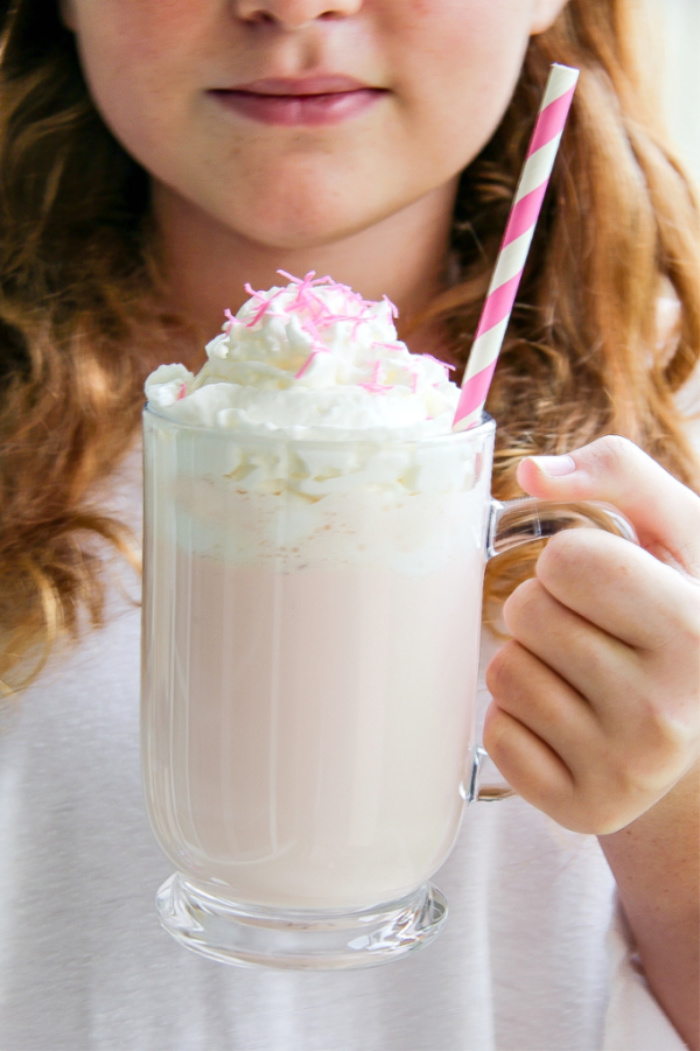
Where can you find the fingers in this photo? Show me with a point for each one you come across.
(538, 732)
(533, 694)
(654, 689)
(591, 769)
(533, 769)
(621, 588)
(595, 710)
(577, 652)
(664, 512)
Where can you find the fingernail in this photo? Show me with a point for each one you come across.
(554, 466)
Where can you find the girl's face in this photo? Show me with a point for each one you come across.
(298, 122)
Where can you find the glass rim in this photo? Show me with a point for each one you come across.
(485, 426)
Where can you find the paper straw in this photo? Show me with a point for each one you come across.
(512, 255)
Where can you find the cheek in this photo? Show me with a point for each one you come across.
(134, 53)
(131, 86)
(464, 61)
(141, 28)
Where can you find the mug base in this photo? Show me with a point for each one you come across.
(301, 939)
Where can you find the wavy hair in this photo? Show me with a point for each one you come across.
(585, 354)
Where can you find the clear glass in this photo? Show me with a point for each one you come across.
(311, 628)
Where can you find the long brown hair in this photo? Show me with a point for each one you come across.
(584, 355)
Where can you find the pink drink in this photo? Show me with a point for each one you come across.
(314, 545)
(310, 666)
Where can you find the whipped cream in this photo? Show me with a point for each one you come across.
(313, 360)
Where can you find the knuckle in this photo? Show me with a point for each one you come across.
(612, 450)
(584, 559)
(688, 620)
(522, 602)
(497, 728)
(627, 775)
(500, 673)
(674, 737)
(667, 723)
(561, 551)
(565, 560)
(656, 758)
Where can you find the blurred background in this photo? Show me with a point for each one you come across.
(679, 21)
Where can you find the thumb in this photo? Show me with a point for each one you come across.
(665, 513)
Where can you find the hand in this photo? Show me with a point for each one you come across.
(595, 713)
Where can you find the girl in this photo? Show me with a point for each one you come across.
(157, 154)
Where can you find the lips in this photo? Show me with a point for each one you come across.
(311, 101)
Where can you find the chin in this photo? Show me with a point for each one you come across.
(298, 208)
(298, 228)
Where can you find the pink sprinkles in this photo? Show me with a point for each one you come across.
(374, 386)
(231, 322)
(315, 316)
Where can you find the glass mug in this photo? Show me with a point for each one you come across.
(311, 626)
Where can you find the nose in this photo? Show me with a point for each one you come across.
(293, 14)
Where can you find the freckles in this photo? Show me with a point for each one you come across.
(143, 31)
(444, 27)
(421, 8)
(169, 20)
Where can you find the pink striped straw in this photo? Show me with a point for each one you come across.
(515, 246)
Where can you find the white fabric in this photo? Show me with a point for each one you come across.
(530, 959)
(634, 1017)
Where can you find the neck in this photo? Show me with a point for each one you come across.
(207, 264)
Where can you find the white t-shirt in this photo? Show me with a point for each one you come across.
(532, 957)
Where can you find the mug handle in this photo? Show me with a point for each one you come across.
(516, 522)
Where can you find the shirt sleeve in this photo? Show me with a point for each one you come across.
(634, 1021)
